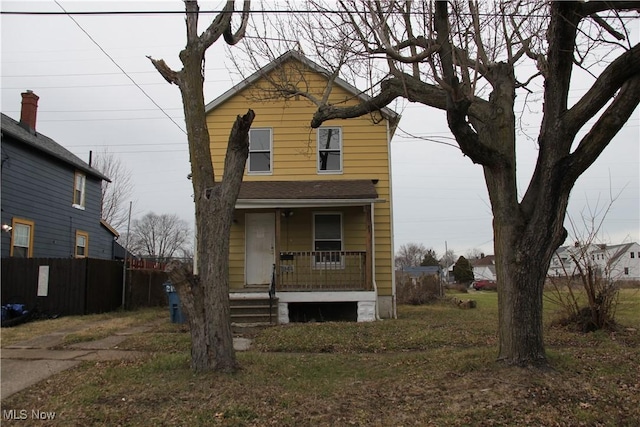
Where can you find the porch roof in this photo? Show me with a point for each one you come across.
(255, 194)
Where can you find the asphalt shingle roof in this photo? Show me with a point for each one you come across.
(47, 145)
(294, 190)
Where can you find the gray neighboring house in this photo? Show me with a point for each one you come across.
(416, 273)
(51, 199)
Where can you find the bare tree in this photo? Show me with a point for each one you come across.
(160, 237)
(206, 296)
(591, 267)
(465, 58)
(410, 255)
(115, 194)
(473, 253)
(448, 259)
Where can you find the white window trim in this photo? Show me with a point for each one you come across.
(328, 172)
(331, 265)
(83, 196)
(270, 171)
(15, 222)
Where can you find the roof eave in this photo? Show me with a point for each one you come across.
(86, 169)
(302, 203)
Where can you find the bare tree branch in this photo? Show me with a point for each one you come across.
(607, 126)
(234, 38)
(606, 85)
(608, 28)
(167, 73)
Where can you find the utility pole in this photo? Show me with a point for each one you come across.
(126, 252)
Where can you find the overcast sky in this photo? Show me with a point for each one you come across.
(87, 103)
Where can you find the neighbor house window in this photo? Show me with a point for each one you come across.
(21, 238)
(329, 150)
(82, 244)
(626, 271)
(260, 151)
(327, 237)
(633, 255)
(79, 184)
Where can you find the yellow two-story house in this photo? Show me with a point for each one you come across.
(314, 213)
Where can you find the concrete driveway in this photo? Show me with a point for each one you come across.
(26, 363)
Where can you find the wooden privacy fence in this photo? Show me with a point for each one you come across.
(145, 288)
(60, 286)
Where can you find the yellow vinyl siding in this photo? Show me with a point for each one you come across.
(294, 157)
(236, 252)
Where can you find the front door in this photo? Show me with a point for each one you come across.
(260, 243)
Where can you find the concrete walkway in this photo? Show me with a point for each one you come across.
(28, 362)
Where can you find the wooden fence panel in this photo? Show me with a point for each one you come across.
(144, 289)
(67, 290)
(104, 285)
(75, 286)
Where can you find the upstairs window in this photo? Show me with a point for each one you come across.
(21, 238)
(79, 183)
(82, 244)
(260, 152)
(632, 254)
(329, 150)
(327, 237)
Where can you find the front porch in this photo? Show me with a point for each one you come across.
(310, 245)
(323, 271)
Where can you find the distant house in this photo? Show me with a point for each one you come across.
(484, 268)
(314, 209)
(618, 262)
(416, 273)
(50, 198)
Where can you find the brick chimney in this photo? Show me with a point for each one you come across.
(29, 110)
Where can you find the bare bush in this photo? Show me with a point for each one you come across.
(418, 291)
(587, 290)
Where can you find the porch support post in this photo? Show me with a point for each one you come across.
(369, 249)
(277, 245)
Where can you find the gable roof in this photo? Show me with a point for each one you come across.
(47, 145)
(487, 260)
(619, 251)
(387, 113)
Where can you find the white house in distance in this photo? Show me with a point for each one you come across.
(620, 262)
(484, 268)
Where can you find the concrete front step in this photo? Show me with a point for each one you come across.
(254, 310)
(254, 318)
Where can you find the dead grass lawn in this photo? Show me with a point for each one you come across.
(434, 366)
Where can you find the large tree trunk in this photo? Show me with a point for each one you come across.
(191, 296)
(519, 297)
(522, 250)
(214, 216)
(211, 336)
(205, 297)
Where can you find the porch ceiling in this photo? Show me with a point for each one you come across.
(307, 193)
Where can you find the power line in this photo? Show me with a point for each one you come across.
(264, 12)
(121, 69)
(88, 74)
(496, 14)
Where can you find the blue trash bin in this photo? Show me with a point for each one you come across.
(175, 308)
